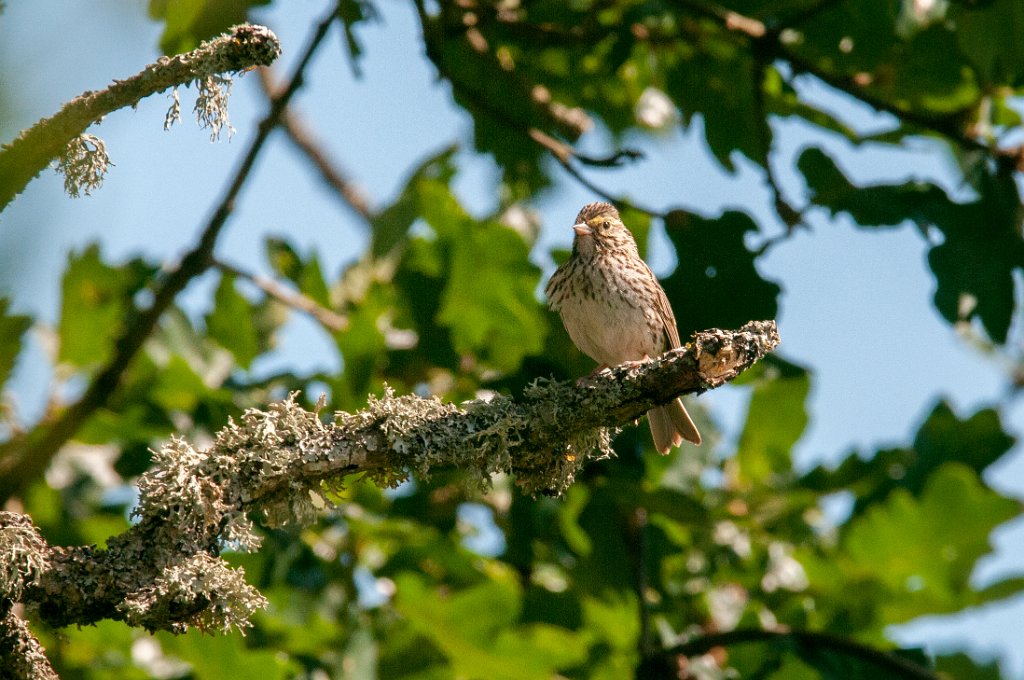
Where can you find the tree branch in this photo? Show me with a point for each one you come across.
(328, 318)
(21, 655)
(332, 175)
(25, 458)
(164, 573)
(24, 158)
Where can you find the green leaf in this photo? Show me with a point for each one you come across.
(188, 22)
(351, 13)
(478, 276)
(715, 284)
(491, 309)
(963, 666)
(975, 264)
(226, 656)
(881, 205)
(96, 297)
(12, 327)
(305, 273)
(776, 419)
(977, 441)
(363, 344)
(476, 630)
(991, 38)
(929, 75)
(178, 387)
(497, 98)
(835, 663)
(232, 323)
(718, 79)
(851, 37)
(923, 550)
(391, 225)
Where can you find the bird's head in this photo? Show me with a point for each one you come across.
(599, 228)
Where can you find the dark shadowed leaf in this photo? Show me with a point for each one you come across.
(977, 442)
(715, 284)
(835, 663)
(957, 666)
(980, 245)
(991, 37)
(718, 79)
(351, 13)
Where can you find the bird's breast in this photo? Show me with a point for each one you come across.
(609, 318)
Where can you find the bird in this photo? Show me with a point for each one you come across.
(615, 311)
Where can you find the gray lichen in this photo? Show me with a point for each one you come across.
(211, 107)
(83, 163)
(200, 591)
(23, 552)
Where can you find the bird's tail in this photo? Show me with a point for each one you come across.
(670, 425)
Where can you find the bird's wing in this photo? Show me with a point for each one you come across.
(665, 314)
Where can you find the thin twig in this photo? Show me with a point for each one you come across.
(328, 318)
(332, 175)
(25, 459)
(903, 668)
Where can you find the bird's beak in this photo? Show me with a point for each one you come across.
(582, 229)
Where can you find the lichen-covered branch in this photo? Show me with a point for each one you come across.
(165, 572)
(244, 47)
(21, 655)
(23, 458)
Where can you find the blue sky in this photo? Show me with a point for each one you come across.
(855, 304)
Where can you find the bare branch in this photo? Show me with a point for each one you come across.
(328, 318)
(165, 573)
(24, 158)
(332, 174)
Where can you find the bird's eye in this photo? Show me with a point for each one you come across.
(605, 224)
